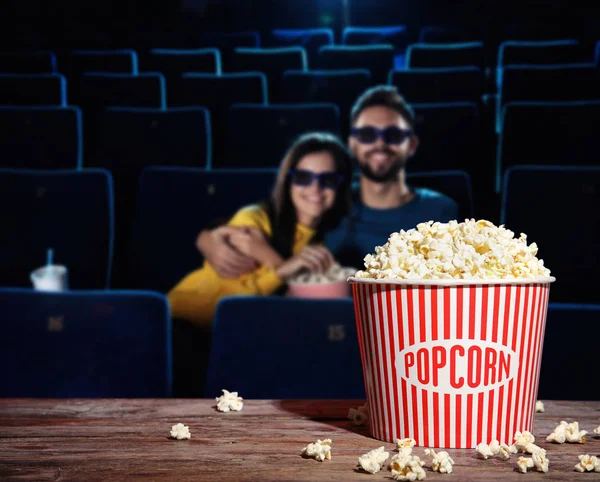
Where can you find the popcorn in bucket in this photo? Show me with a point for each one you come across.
(451, 321)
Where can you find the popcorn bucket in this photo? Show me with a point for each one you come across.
(451, 363)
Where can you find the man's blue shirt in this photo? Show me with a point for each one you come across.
(359, 233)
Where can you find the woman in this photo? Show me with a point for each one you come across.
(311, 195)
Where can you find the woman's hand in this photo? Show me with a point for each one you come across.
(315, 259)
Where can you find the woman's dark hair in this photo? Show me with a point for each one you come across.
(281, 210)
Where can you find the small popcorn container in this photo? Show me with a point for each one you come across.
(451, 363)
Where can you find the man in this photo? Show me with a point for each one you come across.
(382, 141)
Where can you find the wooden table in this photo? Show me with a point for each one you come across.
(83, 440)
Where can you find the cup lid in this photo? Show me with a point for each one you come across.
(50, 270)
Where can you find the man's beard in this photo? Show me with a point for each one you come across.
(390, 175)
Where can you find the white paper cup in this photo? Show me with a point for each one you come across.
(451, 363)
(50, 278)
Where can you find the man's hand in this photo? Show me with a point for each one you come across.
(246, 240)
(216, 247)
(253, 243)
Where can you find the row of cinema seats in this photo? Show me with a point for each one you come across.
(293, 83)
(378, 58)
(118, 344)
(73, 213)
(241, 135)
(125, 140)
(319, 47)
(462, 68)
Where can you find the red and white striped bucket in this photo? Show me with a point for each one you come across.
(451, 363)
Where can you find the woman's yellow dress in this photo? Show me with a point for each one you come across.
(195, 297)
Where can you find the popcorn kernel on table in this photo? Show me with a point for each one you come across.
(558, 435)
(320, 450)
(373, 461)
(229, 401)
(531, 448)
(567, 432)
(540, 460)
(405, 445)
(522, 440)
(360, 415)
(574, 435)
(588, 463)
(524, 463)
(180, 431)
(407, 467)
(484, 450)
(495, 448)
(506, 451)
(442, 462)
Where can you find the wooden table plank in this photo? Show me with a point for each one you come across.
(128, 439)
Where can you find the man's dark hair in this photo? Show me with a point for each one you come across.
(386, 96)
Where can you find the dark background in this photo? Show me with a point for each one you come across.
(112, 23)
